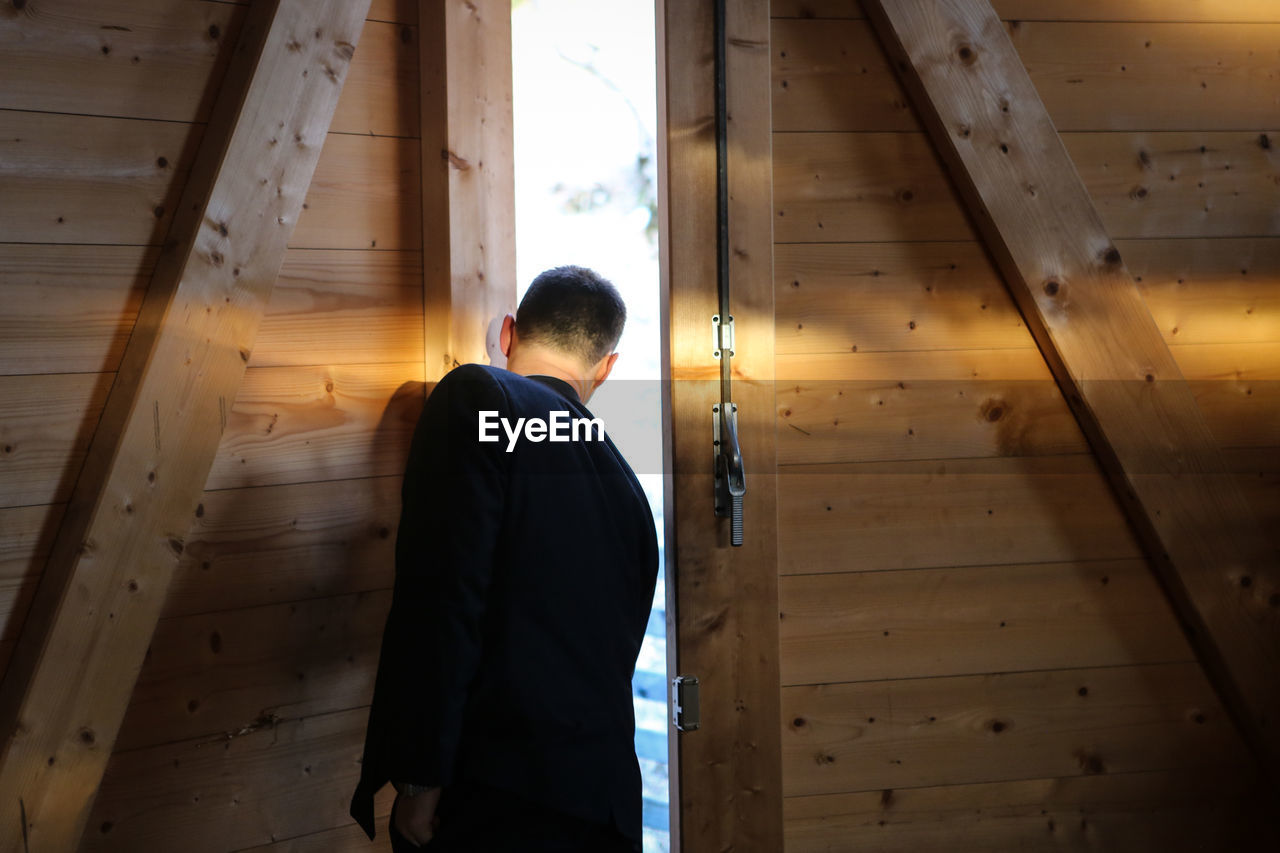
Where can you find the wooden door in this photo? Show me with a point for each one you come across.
(722, 600)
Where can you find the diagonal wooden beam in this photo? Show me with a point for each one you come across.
(85, 638)
(1090, 321)
(468, 180)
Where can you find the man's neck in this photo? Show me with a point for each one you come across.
(545, 363)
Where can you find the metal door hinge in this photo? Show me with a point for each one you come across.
(685, 715)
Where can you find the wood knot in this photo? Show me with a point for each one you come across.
(1090, 762)
(993, 410)
(215, 642)
(1265, 142)
(214, 32)
(87, 737)
(347, 50)
(998, 726)
(176, 545)
(1111, 256)
(454, 160)
(1051, 287)
(798, 722)
(967, 54)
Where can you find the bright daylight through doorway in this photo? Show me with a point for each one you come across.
(586, 193)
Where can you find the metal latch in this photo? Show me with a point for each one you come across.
(721, 336)
(685, 714)
(730, 482)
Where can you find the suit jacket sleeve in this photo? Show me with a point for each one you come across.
(452, 512)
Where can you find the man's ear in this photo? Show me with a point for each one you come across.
(508, 334)
(603, 367)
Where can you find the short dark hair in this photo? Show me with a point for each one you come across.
(574, 310)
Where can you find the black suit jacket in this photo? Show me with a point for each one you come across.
(523, 586)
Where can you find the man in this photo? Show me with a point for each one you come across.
(526, 559)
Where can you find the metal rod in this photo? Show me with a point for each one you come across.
(722, 192)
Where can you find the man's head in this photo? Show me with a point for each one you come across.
(569, 321)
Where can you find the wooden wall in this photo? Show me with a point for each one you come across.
(974, 652)
(246, 725)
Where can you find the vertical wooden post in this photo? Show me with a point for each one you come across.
(468, 180)
(84, 641)
(725, 598)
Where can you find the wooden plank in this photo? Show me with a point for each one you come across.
(274, 544)
(104, 179)
(69, 309)
(1209, 291)
(380, 96)
(84, 179)
(862, 187)
(1175, 810)
(364, 195)
(216, 673)
(468, 181)
(151, 59)
(1153, 76)
(46, 424)
(343, 307)
(865, 626)
(867, 297)
(1237, 387)
(68, 683)
(1238, 11)
(225, 794)
(26, 537)
(397, 11)
(873, 735)
(1101, 342)
(1180, 184)
(723, 599)
(941, 404)
(832, 75)
(159, 60)
(302, 424)
(288, 424)
(901, 515)
(879, 187)
(864, 407)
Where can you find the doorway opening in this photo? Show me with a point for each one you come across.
(585, 109)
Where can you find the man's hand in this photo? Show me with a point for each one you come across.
(416, 816)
